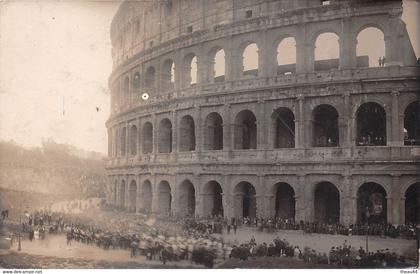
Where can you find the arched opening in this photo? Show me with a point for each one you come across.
(147, 196)
(147, 138)
(370, 48)
(187, 134)
(412, 204)
(115, 189)
(371, 204)
(284, 199)
(327, 203)
(187, 198)
(133, 140)
(218, 66)
(126, 90)
(122, 194)
(286, 56)
(189, 70)
(136, 81)
(412, 124)
(245, 202)
(123, 141)
(165, 198)
(250, 60)
(371, 125)
(150, 78)
(168, 75)
(325, 126)
(165, 136)
(283, 128)
(213, 199)
(213, 132)
(327, 52)
(245, 134)
(133, 196)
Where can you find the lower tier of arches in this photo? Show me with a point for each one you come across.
(345, 199)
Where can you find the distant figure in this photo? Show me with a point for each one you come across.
(383, 61)
(380, 61)
(235, 227)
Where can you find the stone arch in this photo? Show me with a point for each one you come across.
(245, 131)
(122, 194)
(286, 56)
(147, 138)
(168, 75)
(412, 204)
(147, 196)
(367, 56)
(217, 64)
(245, 202)
(151, 78)
(326, 51)
(325, 132)
(133, 140)
(213, 199)
(165, 136)
(412, 124)
(187, 134)
(371, 125)
(190, 70)
(326, 203)
(132, 194)
(213, 132)
(371, 203)
(250, 59)
(284, 201)
(187, 194)
(164, 198)
(123, 146)
(283, 128)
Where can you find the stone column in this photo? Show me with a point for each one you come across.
(139, 139)
(175, 201)
(347, 45)
(263, 55)
(299, 123)
(345, 201)
(175, 134)
(229, 60)
(155, 135)
(395, 125)
(270, 202)
(227, 129)
(394, 208)
(127, 140)
(346, 140)
(261, 126)
(300, 198)
(199, 138)
(155, 197)
(304, 59)
(401, 212)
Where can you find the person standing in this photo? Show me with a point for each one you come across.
(235, 227)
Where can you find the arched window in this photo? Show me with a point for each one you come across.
(284, 201)
(151, 78)
(213, 132)
(165, 136)
(371, 125)
(165, 198)
(133, 196)
(219, 66)
(250, 60)
(187, 198)
(245, 133)
(245, 202)
(286, 56)
(325, 126)
(213, 199)
(327, 51)
(283, 122)
(371, 204)
(412, 204)
(412, 124)
(189, 70)
(370, 48)
(168, 75)
(123, 141)
(147, 138)
(133, 140)
(187, 134)
(327, 203)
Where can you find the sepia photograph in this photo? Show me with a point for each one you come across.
(209, 134)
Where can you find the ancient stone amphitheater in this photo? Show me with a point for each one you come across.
(206, 120)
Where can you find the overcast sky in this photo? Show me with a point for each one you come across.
(55, 60)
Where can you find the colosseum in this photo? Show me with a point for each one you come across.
(226, 107)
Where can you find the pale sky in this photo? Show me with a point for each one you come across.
(55, 51)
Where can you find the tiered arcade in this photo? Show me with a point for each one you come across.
(314, 139)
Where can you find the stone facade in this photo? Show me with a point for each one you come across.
(313, 144)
